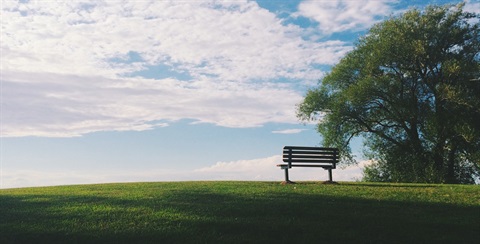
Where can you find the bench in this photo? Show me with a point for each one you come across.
(323, 157)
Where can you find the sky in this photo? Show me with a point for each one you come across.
(140, 90)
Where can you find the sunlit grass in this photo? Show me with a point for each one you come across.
(241, 212)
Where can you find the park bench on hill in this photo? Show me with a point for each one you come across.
(323, 157)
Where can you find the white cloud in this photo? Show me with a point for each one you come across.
(34, 178)
(64, 65)
(254, 169)
(345, 15)
(265, 169)
(288, 131)
(262, 169)
(65, 105)
(472, 6)
(234, 43)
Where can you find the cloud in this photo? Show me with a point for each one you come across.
(265, 169)
(261, 169)
(70, 68)
(65, 105)
(472, 6)
(235, 42)
(253, 169)
(345, 15)
(34, 178)
(288, 131)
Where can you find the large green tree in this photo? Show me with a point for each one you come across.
(411, 89)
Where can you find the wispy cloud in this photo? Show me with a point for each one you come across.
(288, 131)
(34, 178)
(343, 15)
(472, 6)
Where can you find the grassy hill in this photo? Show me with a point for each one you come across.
(241, 212)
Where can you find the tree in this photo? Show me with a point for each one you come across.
(411, 89)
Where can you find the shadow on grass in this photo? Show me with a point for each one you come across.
(211, 216)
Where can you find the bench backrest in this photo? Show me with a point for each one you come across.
(314, 155)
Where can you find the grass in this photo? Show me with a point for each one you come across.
(241, 212)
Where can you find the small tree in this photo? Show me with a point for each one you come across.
(411, 88)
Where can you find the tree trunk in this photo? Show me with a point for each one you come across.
(450, 174)
(438, 161)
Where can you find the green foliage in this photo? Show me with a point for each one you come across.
(240, 212)
(411, 88)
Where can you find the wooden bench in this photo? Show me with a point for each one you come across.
(323, 157)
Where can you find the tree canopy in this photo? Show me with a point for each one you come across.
(411, 89)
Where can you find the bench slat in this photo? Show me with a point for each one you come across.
(308, 153)
(308, 161)
(310, 156)
(308, 148)
(308, 165)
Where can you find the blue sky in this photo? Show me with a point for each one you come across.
(120, 91)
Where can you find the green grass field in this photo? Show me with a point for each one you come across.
(241, 212)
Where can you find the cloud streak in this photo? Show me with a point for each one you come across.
(288, 131)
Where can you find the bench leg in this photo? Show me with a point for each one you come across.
(287, 180)
(330, 175)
